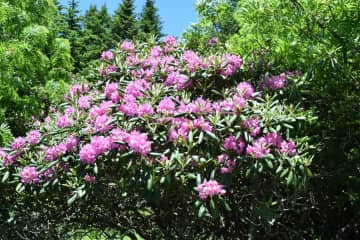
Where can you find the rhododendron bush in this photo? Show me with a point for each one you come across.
(164, 141)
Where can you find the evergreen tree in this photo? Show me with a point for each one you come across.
(150, 23)
(96, 36)
(60, 19)
(74, 31)
(73, 15)
(124, 25)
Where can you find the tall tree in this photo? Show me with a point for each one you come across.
(30, 57)
(124, 25)
(150, 23)
(74, 31)
(96, 36)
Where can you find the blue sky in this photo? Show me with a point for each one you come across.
(176, 15)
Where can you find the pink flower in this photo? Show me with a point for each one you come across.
(79, 89)
(230, 165)
(275, 82)
(231, 63)
(18, 143)
(29, 175)
(175, 78)
(252, 125)
(193, 60)
(84, 102)
(202, 124)
(245, 89)
(110, 89)
(288, 148)
(101, 110)
(273, 139)
(9, 159)
(239, 102)
(232, 144)
(129, 108)
(102, 123)
(213, 41)
(101, 144)
(209, 189)
(145, 110)
(170, 43)
(88, 154)
(139, 142)
(33, 137)
(259, 149)
(155, 51)
(71, 143)
(166, 105)
(90, 179)
(127, 46)
(117, 137)
(107, 55)
(111, 69)
(64, 121)
(136, 88)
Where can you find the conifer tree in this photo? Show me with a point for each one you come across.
(74, 31)
(96, 36)
(150, 23)
(124, 25)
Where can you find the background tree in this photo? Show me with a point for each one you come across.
(96, 36)
(74, 31)
(124, 23)
(30, 57)
(216, 20)
(149, 23)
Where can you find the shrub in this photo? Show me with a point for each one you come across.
(168, 143)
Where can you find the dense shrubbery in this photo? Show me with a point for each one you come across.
(166, 143)
(31, 56)
(320, 38)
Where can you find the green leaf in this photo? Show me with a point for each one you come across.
(6, 176)
(213, 136)
(290, 178)
(198, 179)
(201, 211)
(212, 205)
(149, 183)
(71, 200)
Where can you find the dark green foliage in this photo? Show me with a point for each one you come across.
(124, 23)
(321, 38)
(96, 36)
(30, 56)
(216, 19)
(74, 31)
(150, 23)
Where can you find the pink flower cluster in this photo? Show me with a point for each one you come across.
(253, 126)
(139, 142)
(231, 63)
(52, 153)
(275, 82)
(33, 137)
(228, 165)
(107, 55)
(236, 145)
(29, 175)
(18, 143)
(209, 189)
(160, 93)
